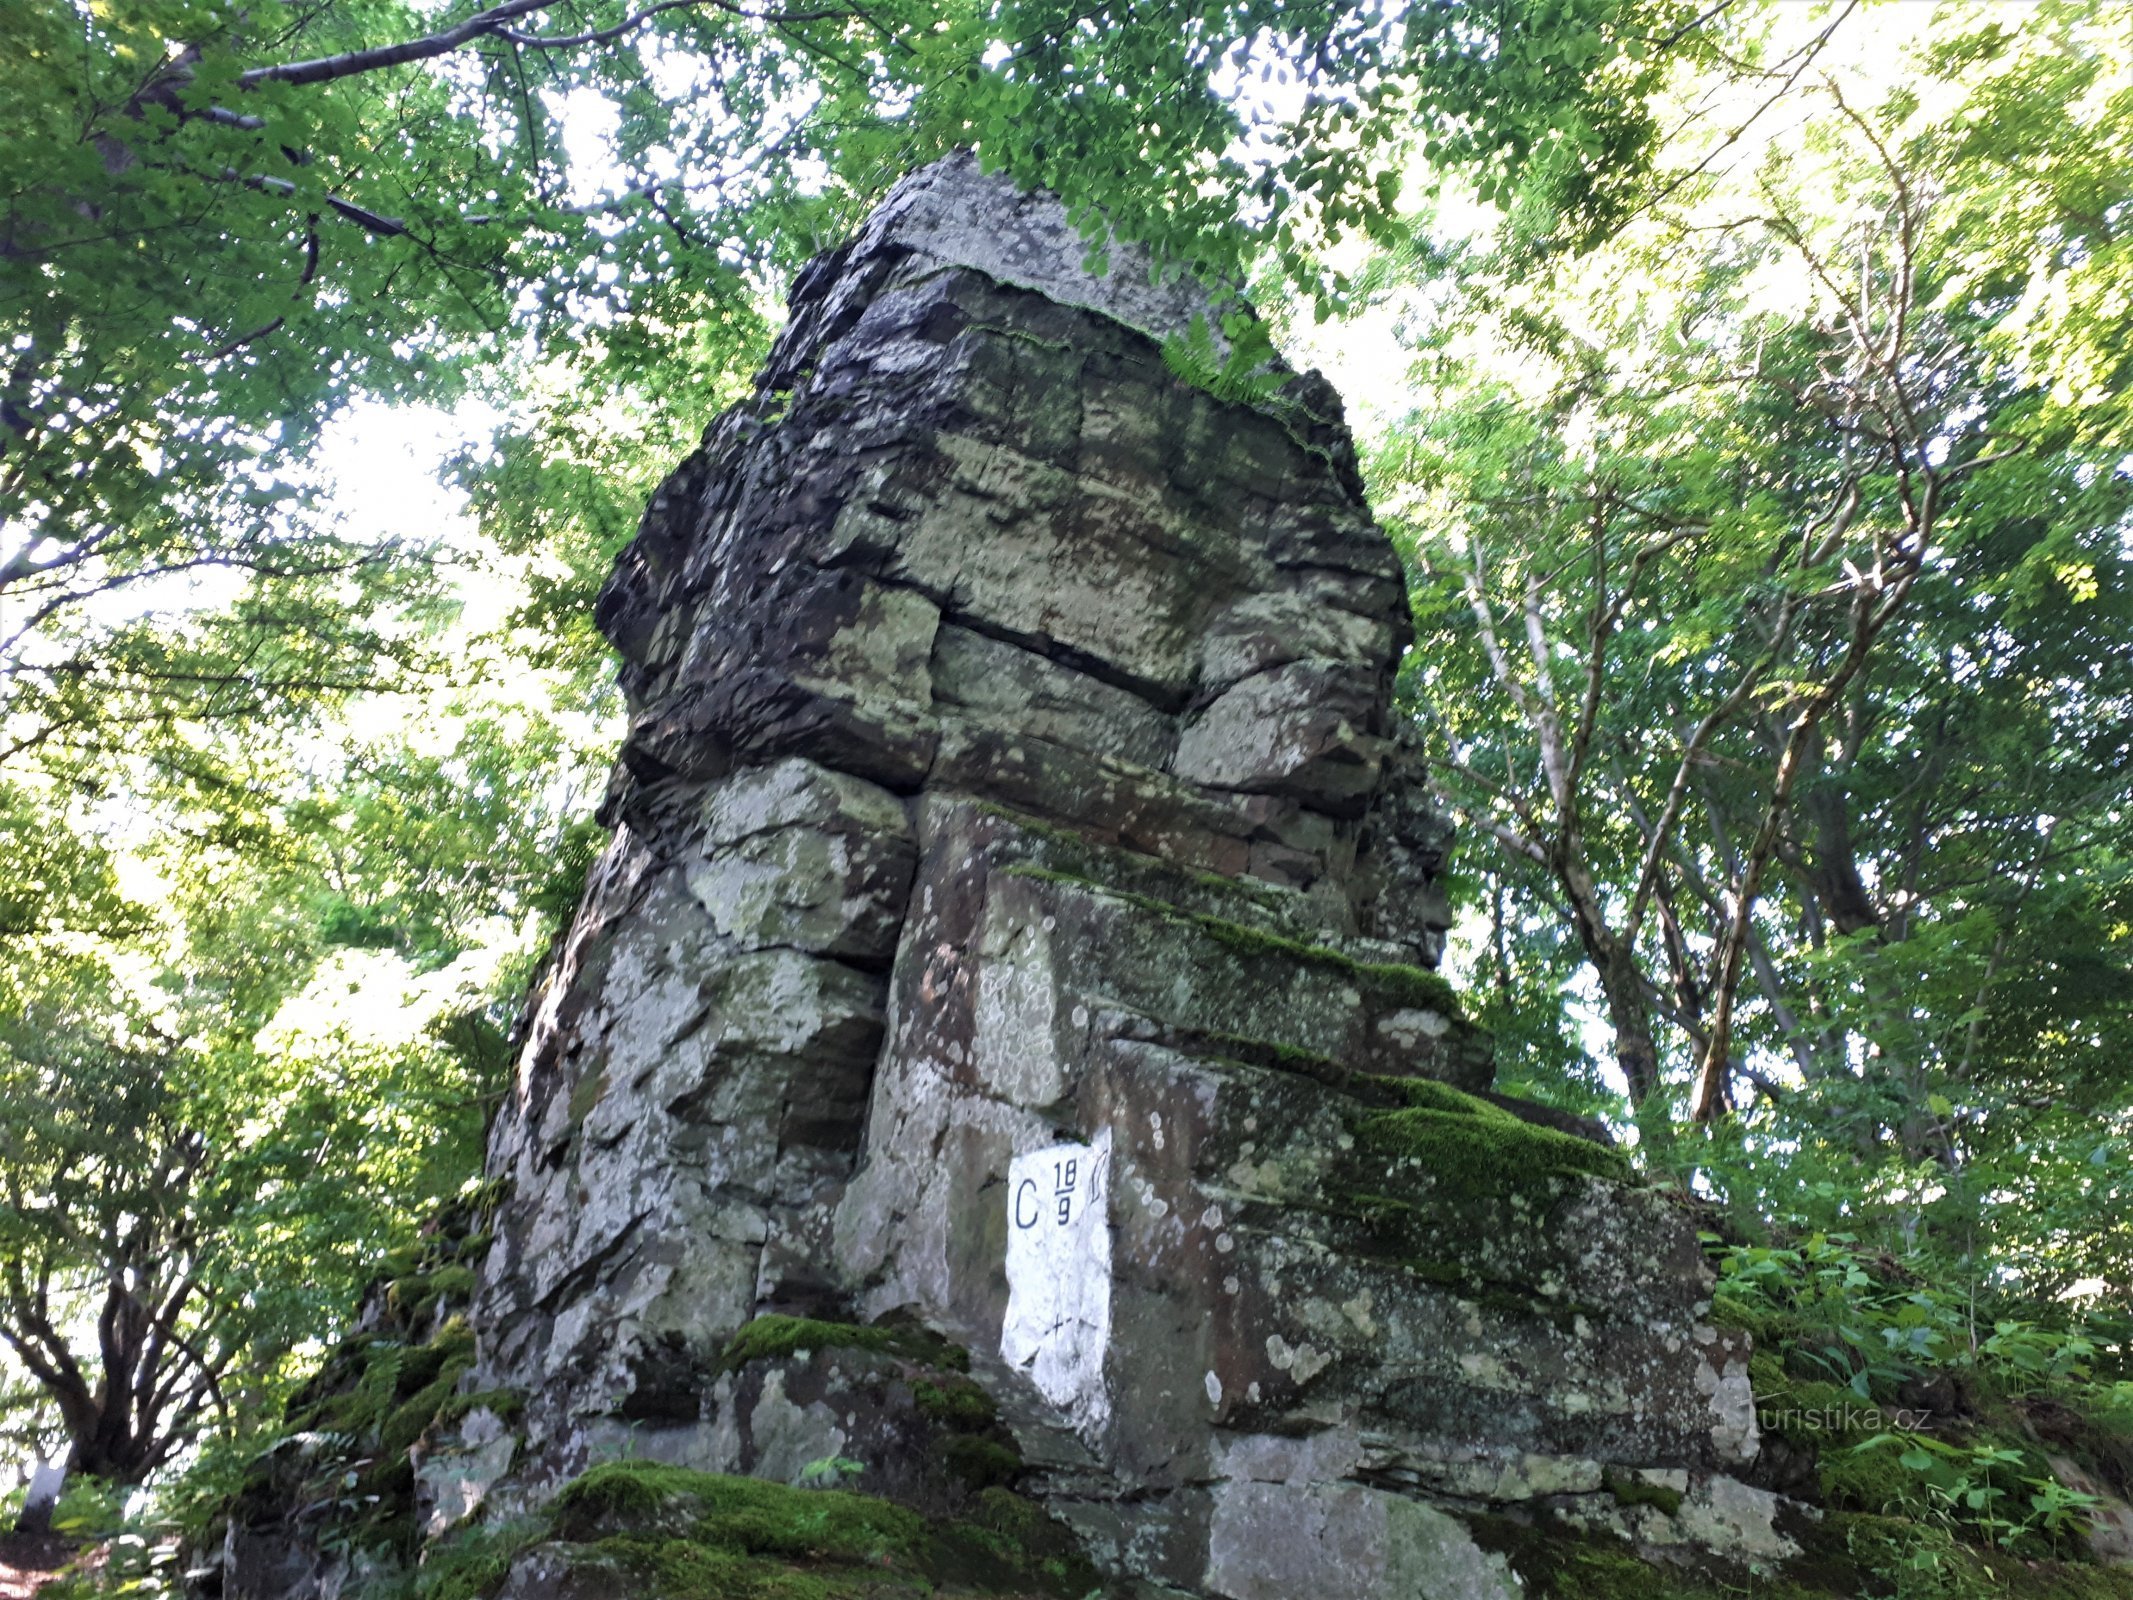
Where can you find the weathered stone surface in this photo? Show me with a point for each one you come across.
(1019, 923)
(799, 855)
(451, 1482)
(1262, 1273)
(671, 1173)
(1341, 1541)
(1296, 729)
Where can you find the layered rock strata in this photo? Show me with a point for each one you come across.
(1020, 924)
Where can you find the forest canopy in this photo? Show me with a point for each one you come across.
(1744, 385)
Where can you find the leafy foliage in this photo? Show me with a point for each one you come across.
(1768, 578)
(1238, 369)
(1916, 1401)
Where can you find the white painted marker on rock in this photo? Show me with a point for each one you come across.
(1058, 1323)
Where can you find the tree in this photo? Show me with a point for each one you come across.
(1630, 529)
(174, 1221)
(226, 1094)
(1766, 603)
(105, 1187)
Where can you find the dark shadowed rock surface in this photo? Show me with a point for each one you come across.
(1019, 935)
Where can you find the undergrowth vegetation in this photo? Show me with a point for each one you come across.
(1885, 1394)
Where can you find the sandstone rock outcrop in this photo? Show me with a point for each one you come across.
(1020, 928)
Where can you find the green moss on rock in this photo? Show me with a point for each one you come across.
(472, 1562)
(1065, 856)
(683, 1569)
(1846, 1556)
(684, 1535)
(1554, 1563)
(507, 1405)
(1035, 826)
(401, 1263)
(776, 1337)
(1939, 1500)
(1447, 1184)
(381, 1388)
(1764, 1326)
(1856, 1554)
(1631, 1490)
(1006, 1543)
(1477, 1150)
(1407, 985)
(980, 1462)
(746, 1515)
(1288, 1058)
(454, 1282)
(411, 1419)
(955, 1403)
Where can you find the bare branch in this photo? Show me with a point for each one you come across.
(351, 63)
(491, 24)
(605, 35)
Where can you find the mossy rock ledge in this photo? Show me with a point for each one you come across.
(997, 1080)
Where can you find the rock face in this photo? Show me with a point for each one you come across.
(1019, 926)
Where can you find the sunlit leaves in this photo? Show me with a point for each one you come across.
(1940, 976)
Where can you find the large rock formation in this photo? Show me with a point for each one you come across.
(1019, 927)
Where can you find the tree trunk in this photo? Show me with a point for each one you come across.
(1614, 962)
(46, 1480)
(1833, 870)
(1629, 1010)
